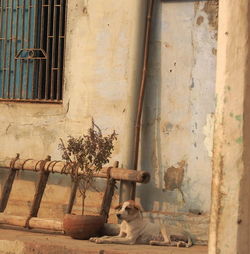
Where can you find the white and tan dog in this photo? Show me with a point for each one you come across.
(135, 230)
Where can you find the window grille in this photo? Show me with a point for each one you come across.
(32, 34)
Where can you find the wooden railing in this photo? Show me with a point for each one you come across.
(44, 168)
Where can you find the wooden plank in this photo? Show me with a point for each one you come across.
(108, 195)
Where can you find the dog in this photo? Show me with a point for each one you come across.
(135, 230)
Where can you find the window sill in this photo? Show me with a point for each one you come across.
(31, 101)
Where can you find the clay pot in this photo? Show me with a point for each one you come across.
(82, 226)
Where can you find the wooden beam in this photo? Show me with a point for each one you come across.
(72, 197)
(7, 189)
(108, 195)
(36, 223)
(8, 184)
(59, 167)
(40, 187)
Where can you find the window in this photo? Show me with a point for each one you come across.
(32, 36)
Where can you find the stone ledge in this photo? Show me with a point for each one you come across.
(27, 242)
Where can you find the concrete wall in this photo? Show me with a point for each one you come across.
(230, 210)
(102, 71)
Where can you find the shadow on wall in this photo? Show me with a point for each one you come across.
(150, 147)
(161, 191)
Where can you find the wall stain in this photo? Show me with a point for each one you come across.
(199, 20)
(85, 11)
(7, 128)
(192, 84)
(85, 8)
(214, 51)
(239, 140)
(167, 128)
(167, 45)
(173, 177)
(239, 118)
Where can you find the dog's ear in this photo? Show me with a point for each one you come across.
(138, 207)
(133, 204)
(118, 207)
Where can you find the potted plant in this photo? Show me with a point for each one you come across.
(85, 156)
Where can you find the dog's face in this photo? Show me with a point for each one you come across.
(128, 211)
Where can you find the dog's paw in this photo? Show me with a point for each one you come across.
(92, 239)
(153, 242)
(96, 240)
(160, 243)
(183, 244)
(99, 240)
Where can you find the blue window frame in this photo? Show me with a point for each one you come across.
(32, 34)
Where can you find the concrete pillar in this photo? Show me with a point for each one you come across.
(230, 216)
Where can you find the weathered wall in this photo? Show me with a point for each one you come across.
(102, 70)
(178, 116)
(180, 104)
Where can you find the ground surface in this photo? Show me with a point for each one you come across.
(14, 241)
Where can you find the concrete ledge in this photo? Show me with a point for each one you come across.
(27, 242)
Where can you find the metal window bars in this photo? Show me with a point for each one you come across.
(32, 34)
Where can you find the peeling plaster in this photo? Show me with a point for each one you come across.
(174, 175)
(208, 130)
(211, 9)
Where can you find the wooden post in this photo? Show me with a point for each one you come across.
(43, 178)
(72, 197)
(8, 185)
(108, 195)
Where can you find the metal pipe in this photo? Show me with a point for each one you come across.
(16, 41)
(1, 43)
(48, 50)
(5, 47)
(53, 53)
(10, 45)
(35, 63)
(22, 46)
(41, 45)
(28, 62)
(59, 54)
